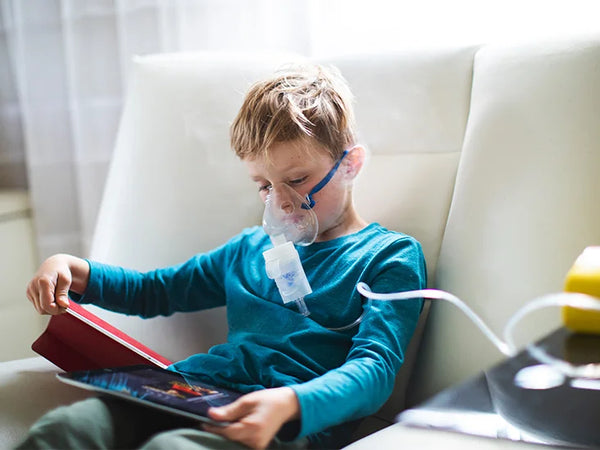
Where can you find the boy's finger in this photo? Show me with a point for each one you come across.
(45, 298)
(32, 296)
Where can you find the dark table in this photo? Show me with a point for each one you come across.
(552, 410)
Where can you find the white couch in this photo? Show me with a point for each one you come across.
(489, 155)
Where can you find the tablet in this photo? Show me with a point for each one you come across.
(156, 388)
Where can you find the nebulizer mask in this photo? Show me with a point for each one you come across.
(290, 220)
(288, 217)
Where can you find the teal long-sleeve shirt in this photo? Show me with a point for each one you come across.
(338, 376)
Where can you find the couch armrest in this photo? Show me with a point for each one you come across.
(29, 388)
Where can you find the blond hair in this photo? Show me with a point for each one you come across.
(298, 102)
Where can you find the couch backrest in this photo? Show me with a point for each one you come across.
(412, 110)
(526, 200)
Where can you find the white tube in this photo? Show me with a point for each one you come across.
(507, 347)
(575, 300)
(435, 294)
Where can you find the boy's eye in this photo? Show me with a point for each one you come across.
(294, 182)
(298, 180)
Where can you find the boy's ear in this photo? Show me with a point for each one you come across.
(354, 161)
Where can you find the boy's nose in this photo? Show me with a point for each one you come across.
(287, 207)
(283, 198)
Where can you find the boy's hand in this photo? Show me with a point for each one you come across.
(48, 289)
(256, 417)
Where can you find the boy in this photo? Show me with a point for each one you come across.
(307, 378)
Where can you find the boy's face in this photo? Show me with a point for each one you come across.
(301, 165)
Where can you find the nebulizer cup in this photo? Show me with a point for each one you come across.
(288, 220)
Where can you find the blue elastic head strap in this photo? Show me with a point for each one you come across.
(321, 184)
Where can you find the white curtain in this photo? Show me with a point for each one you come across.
(71, 59)
(64, 66)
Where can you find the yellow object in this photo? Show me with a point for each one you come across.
(584, 277)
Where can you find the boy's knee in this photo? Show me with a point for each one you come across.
(49, 431)
(65, 427)
(189, 438)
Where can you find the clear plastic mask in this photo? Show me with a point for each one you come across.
(288, 216)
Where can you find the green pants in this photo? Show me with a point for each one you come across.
(106, 423)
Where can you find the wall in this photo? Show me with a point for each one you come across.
(19, 323)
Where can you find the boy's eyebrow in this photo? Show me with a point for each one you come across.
(291, 168)
(293, 165)
(290, 171)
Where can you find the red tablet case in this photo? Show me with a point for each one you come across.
(80, 340)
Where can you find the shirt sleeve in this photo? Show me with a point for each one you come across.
(191, 286)
(365, 381)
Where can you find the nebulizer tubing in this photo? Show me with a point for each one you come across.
(350, 325)
(575, 300)
(435, 294)
(508, 346)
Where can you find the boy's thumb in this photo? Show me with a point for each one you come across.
(228, 413)
(61, 293)
(62, 300)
